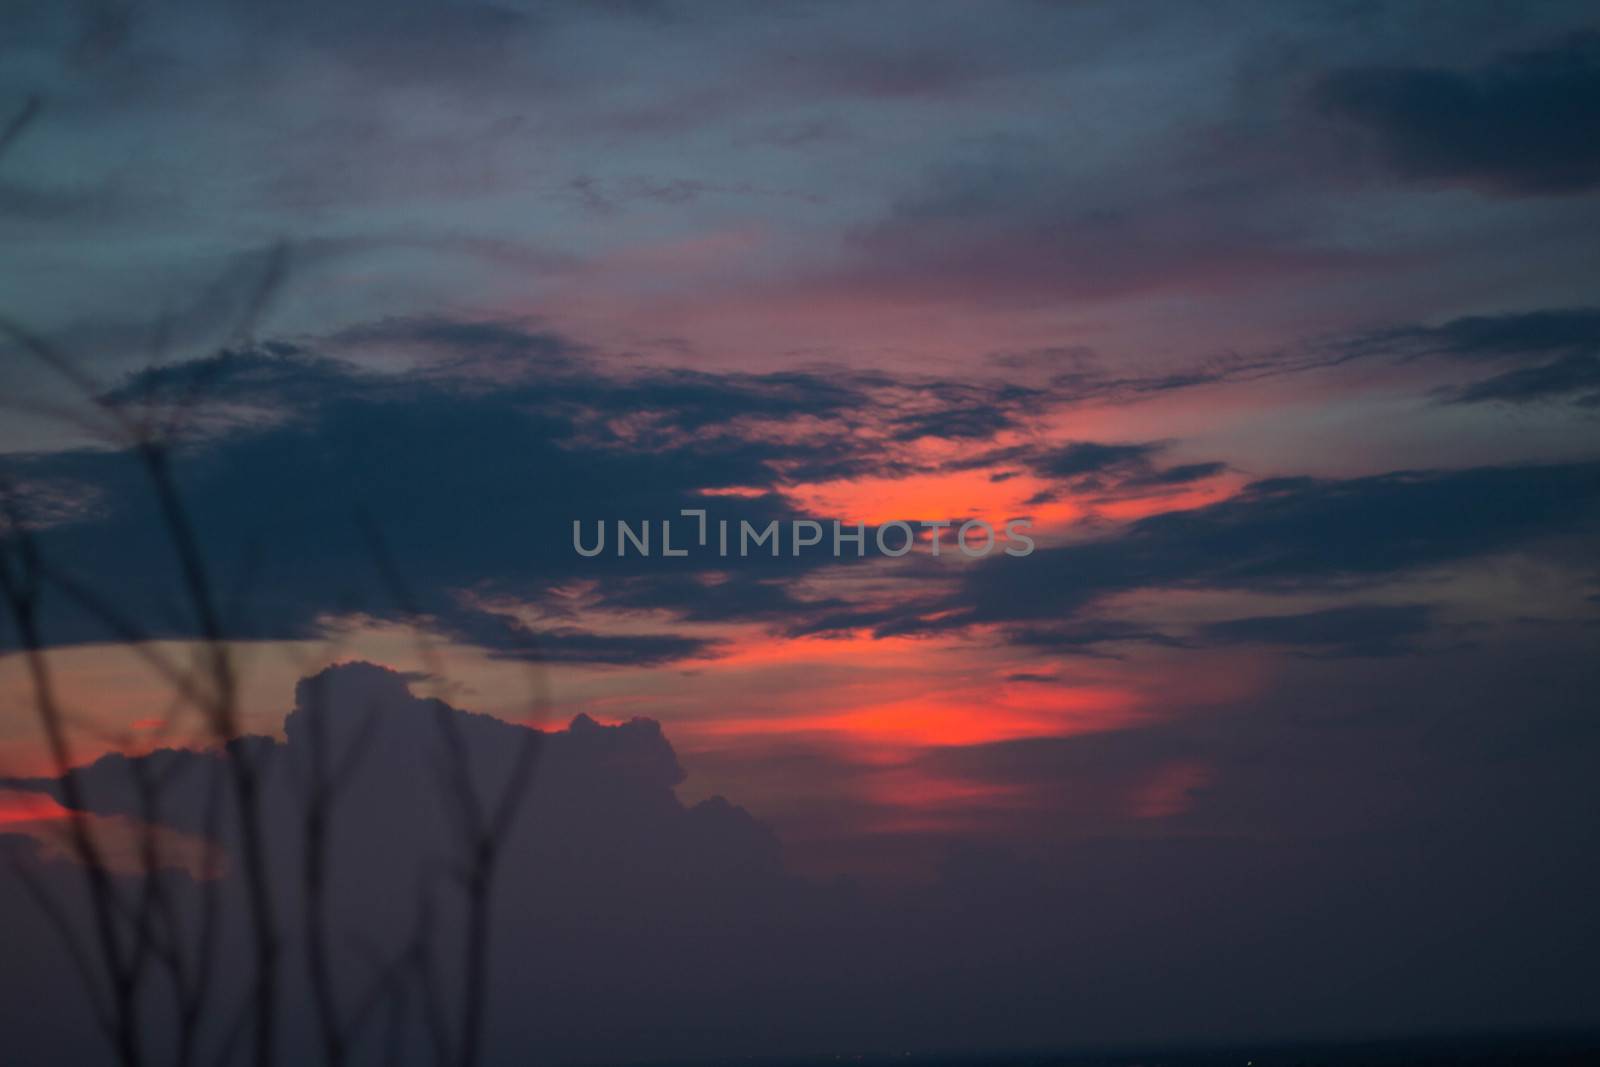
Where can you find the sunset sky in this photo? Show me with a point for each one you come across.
(1279, 322)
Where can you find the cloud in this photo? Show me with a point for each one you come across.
(1088, 457)
(1181, 474)
(1110, 867)
(1527, 124)
(1095, 470)
(474, 461)
(503, 637)
(1514, 335)
(1574, 377)
(473, 488)
(1355, 630)
(601, 803)
(1558, 350)
(1290, 533)
(476, 484)
(718, 596)
(1276, 535)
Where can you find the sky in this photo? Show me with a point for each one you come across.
(1277, 322)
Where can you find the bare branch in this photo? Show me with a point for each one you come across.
(13, 130)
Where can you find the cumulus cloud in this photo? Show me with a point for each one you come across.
(630, 924)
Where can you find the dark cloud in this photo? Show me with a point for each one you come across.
(476, 488)
(1291, 533)
(504, 637)
(717, 596)
(1555, 353)
(1093, 469)
(833, 618)
(1573, 377)
(1088, 457)
(1182, 474)
(474, 465)
(1515, 335)
(958, 410)
(975, 423)
(1356, 630)
(1527, 124)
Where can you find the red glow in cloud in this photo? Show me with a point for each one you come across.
(909, 799)
(922, 496)
(969, 718)
(996, 493)
(22, 808)
(118, 838)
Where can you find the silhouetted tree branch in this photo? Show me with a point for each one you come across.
(141, 925)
